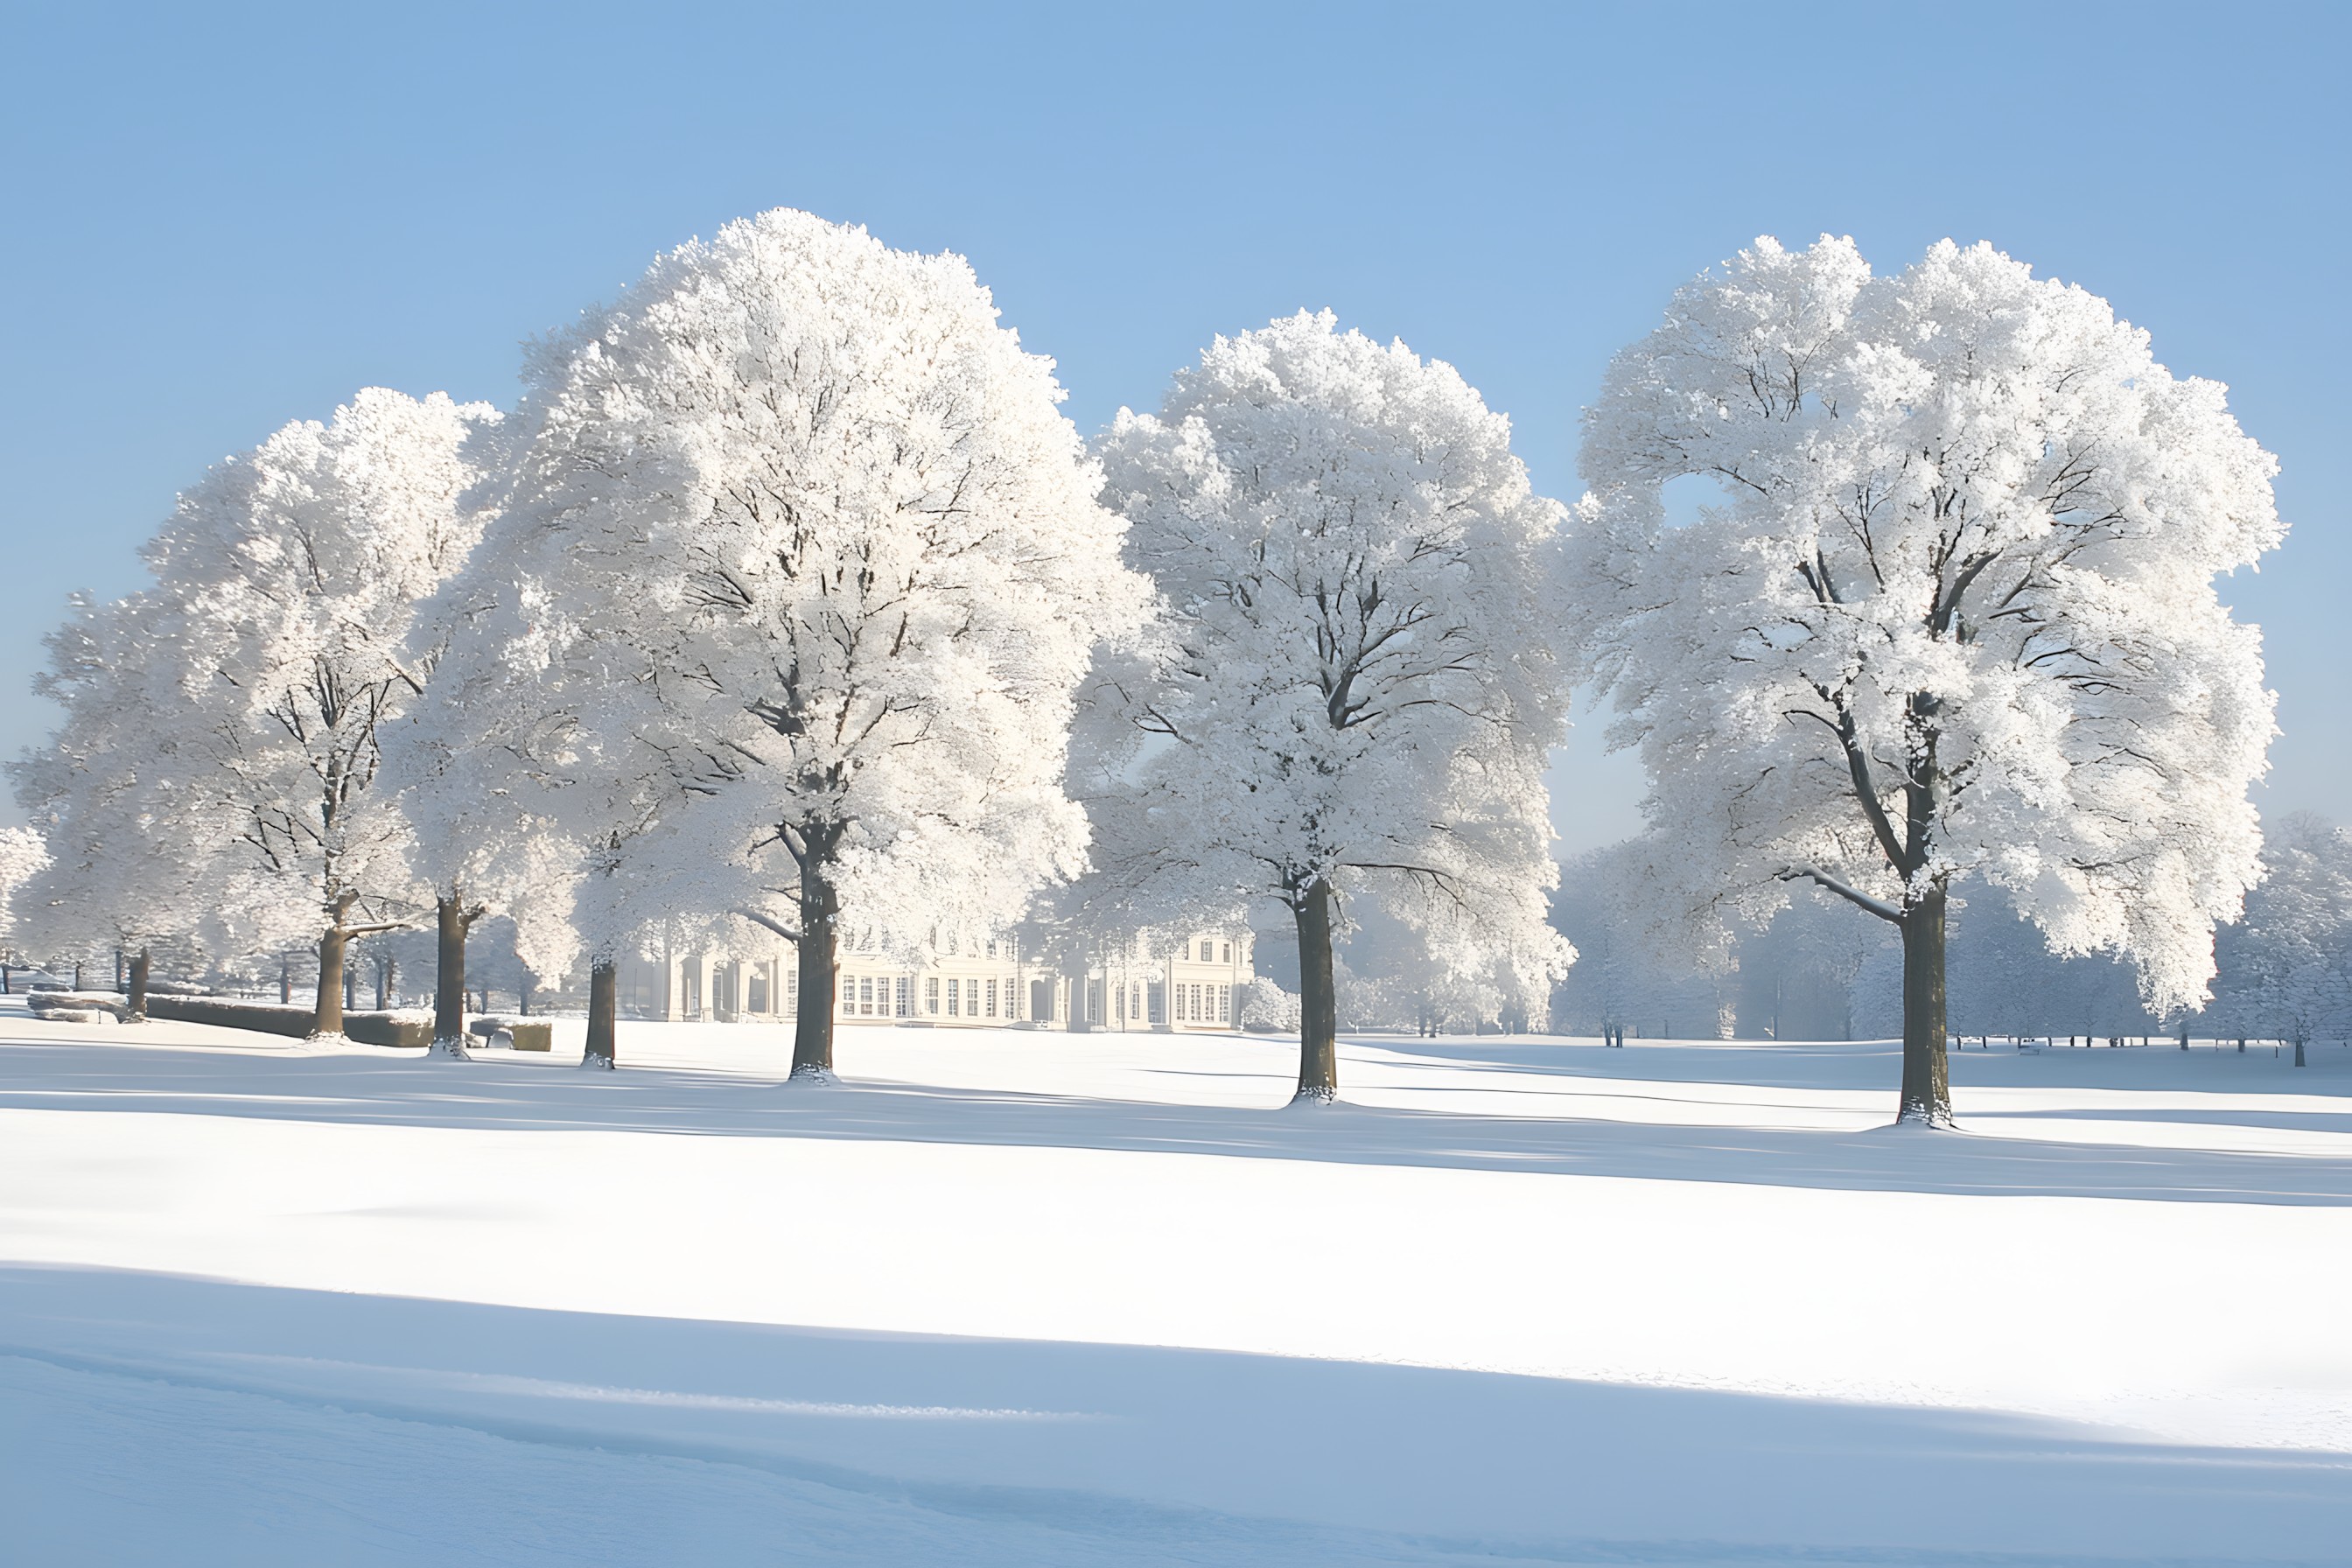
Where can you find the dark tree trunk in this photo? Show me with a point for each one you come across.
(285, 979)
(351, 988)
(1318, 1008)
(384, 983)
(449, 925)
(327, 1012)
(604, 1002)
(1926, 1074)
(2298, 1050)
(138, 993)
(819, 906)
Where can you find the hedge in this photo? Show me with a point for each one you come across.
(402, 1029)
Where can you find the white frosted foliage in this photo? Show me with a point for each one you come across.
(22, 856)
(1356, 684)
(804, 564)
(1954, 612)
(218, 765)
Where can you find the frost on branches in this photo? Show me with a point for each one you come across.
(2286, 970)
(233, 713)
(465, 761)
(1356, 692)
(814, 566)
(114, 875)
(22, 857)
(1954, 615)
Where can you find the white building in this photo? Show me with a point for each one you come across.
(965, 982)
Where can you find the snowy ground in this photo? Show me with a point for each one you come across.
(1035, 1299)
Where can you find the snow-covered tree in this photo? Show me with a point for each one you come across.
(268, 659)
(1953, 617)
(472, 759)
(109, 794)
(1797, 974)
(22, 856)
(1643, 966)
(807, 542)
(2286, 969)
(1357, 690)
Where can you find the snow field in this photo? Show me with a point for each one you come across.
(1724, 1305)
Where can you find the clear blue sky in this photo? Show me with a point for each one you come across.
(219, 218)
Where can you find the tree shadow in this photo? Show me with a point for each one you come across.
(1717, 1141)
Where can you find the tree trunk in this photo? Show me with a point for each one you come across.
(327, 1012)
(604, 1002)
(138, 993)
(450, 922)
(350, 989)
(285, 978)
(819, 904)
(1926, 1074)
(2298, 1050)
(1318, 1007)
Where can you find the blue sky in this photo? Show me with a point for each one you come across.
(221, 219)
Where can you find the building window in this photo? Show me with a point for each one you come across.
(866, 996)
(755, 990)
(905, 988)
(1225, 952)
(932, 996)
(793, 991)
(1225, 1003)
(992, 989)
(992, 952)
(955, 998)
(1155, 1002)
(849, 993)
(1206, 946)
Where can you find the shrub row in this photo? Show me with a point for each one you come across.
(413, 1029)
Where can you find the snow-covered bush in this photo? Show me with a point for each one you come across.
(1263, 1004)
